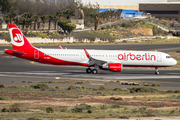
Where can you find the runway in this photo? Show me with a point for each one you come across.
(167, 47)
(15, 70)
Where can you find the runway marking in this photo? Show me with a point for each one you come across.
(82, 79)
(52, 77)
(87, 76)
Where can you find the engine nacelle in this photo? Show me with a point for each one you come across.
(114, 67)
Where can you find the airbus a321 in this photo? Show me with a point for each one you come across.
(112, 60)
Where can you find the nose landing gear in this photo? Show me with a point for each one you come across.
(156, 71)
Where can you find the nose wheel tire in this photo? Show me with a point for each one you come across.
(94, 71)
(88, 70)
(157, 73)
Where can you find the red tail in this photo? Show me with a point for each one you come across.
(18, 40)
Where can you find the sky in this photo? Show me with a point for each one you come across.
(120, 2)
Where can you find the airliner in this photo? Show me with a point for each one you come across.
(112, 60)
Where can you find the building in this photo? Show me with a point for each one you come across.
(168, 10)
(79, 23)
(125, 13)
(130, 13)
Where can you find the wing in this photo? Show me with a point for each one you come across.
(93, 61)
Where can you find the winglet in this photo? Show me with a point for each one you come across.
(60, 47)
(87, 54)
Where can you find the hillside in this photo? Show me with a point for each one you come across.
(125, 30)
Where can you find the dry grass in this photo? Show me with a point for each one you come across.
(124, 104)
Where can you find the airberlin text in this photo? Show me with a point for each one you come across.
(145, 56)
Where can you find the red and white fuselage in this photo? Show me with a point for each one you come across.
(113, 60)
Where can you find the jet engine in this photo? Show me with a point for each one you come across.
(114, 67)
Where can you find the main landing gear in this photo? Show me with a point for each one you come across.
(93, 71)
(156, 71)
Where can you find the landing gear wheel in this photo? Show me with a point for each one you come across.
(157, 73)
(94, 71)
(88, 70)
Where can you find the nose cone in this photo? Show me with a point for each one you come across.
(174, 62)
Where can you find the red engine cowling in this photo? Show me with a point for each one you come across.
(114, 67)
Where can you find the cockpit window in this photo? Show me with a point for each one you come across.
(168, 56)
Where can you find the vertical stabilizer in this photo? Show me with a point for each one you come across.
(18, 40)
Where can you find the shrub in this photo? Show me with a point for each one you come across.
(57, 87)
(135, 110)
(14, 109)
(79, 82)
(41, 86)
(33, 119)
(123, 117)
(23, 81)
(71, 87)
(99, 93)
(156, 84)
(112, 98)
(81, 107)
(101, 88)
(143, 89)
(142, 109)
(146, 84)
(115, 106)
(89, 111)
(2, 98)
(63, 110)
(103, 107)
(119, 98)
(117, 89)
(85, 106)
(77, 109)
(4, 110)
(150, 113)
(1, 86)
(30, 81)
(172, 111)
(16, 104)
(170, 91)
(177, 91)
(78, 87)
(49, 110)
(123, 25)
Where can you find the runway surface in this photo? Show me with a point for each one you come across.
(168, 47)
(18, 70)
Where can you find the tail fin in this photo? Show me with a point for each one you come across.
(18, 40)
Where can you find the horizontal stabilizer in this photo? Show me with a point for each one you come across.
(17, 52)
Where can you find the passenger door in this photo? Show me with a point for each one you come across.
(159, 57)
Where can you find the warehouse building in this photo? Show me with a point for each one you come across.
(168, 10)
